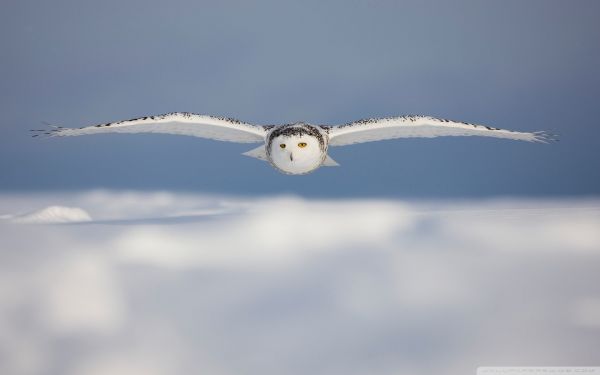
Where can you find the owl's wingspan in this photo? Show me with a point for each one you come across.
(420, 126)
(182, 123)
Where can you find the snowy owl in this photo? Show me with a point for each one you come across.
(296, 148)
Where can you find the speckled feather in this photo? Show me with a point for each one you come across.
(410, 126)
(228, 129)
(182, 123)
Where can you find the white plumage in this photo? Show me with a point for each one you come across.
(296, 148)
(422, 127)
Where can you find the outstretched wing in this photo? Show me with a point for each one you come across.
(182, 123)
(420, 126)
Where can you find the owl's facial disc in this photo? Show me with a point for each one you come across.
(296, 154)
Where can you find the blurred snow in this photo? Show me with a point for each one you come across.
(166, 283)
(51, 215)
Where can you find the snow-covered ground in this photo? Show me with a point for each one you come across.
(167, 283)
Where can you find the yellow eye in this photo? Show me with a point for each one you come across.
(302, 144)
(282, 145)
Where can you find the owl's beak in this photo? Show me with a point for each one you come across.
(291, 156)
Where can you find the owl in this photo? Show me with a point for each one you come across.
(296, 148)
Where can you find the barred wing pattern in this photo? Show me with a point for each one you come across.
(420, 126)
(182, 123)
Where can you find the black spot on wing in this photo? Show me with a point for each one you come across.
(412, 119)
(326, 128)
(175, 116)
(367, 121)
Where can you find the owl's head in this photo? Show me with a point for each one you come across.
(296, 149)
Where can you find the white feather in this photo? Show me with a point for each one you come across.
(329, 162)
(217, 128)
(419, 126)
(258, 153)
(316, 139)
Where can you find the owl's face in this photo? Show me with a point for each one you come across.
(296, 154)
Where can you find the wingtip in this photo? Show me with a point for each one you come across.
(544, 137)
(54, 132)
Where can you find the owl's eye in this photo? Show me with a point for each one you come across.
(282, 145)
(302, 144)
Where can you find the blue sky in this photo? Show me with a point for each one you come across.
(517, 65)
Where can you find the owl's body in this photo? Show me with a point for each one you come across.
(297, 148)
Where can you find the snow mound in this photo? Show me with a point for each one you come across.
(54, 214)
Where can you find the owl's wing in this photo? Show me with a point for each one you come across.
(182, 123)
(420, 126)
